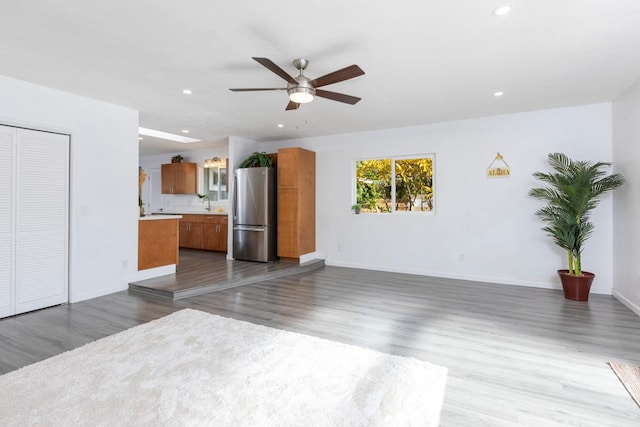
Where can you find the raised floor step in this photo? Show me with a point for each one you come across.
(202, 275)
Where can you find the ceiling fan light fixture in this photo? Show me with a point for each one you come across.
(301, 95)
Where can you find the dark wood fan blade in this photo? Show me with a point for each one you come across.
(256, 88)
(341, 97)
(269, 64)
(292, 106)
(345, 73)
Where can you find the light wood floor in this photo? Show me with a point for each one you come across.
(516, 356)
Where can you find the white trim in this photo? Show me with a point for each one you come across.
(473, 278)
(633, 307)
(157, 271)
(311, 256)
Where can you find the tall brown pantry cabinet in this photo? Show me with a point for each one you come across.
(296, 202)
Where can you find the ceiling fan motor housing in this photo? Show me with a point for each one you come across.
(300, 64)
(302, 90)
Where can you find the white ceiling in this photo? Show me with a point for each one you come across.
(425, 60)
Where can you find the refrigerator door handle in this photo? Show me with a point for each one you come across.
(235, 197)
(244, 228)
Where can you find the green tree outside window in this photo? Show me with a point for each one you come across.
(410, 191)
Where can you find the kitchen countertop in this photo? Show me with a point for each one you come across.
(160, 216)
(190, 213)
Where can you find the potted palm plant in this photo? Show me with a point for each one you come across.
(257, 160)
(573, 191)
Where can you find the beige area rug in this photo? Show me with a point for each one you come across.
(629, 376)
(192, 368)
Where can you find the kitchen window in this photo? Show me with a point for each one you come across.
(395, 184)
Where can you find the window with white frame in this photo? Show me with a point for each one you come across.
(395, 184)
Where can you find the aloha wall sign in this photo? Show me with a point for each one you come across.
(498, 168)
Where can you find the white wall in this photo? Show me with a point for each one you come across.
(104, 167)
(483, 229)
(241, 148)
(626, 155)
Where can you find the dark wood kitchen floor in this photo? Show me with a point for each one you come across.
(202, 272)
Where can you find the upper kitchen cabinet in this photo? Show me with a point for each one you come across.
(179, 178)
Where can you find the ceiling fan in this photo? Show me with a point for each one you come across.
(302, 89)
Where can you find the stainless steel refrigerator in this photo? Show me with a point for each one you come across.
(254, 214)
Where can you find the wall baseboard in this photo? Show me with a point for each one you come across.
(312, 256)
(94, 293)
(482, 279)
(624, 300)
(155, 272)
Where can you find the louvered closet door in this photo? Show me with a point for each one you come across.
(41, 220)
(7, 154)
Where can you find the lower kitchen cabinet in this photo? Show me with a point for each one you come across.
(192, 232)
(204, 232)
(215, 232)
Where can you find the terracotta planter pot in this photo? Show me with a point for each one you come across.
(576, 287)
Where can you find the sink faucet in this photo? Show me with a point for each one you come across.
(203, 197)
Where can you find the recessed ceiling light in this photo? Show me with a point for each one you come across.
(502, 10)
(187, 91)
(498, 93)
(140, 138)
(280, 125)
(185, 130)
(167, 136)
